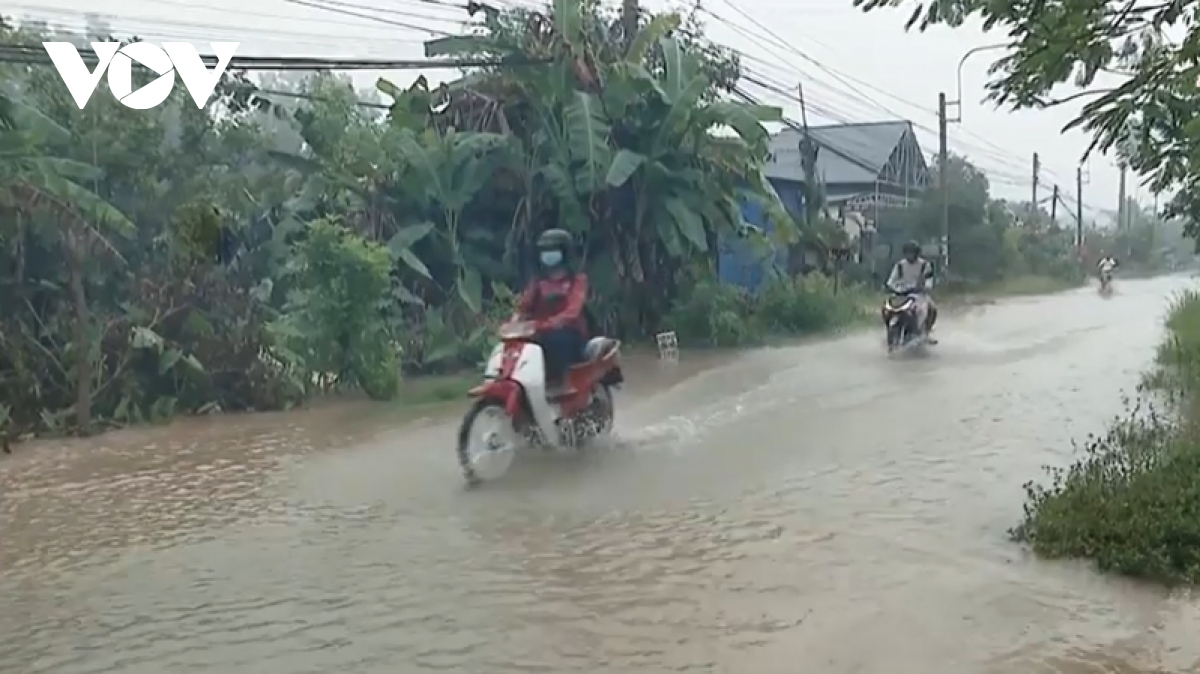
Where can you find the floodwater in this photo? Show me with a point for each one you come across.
(813, 508)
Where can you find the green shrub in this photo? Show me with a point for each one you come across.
(717, 314)
(1178, 371)
(333, 321)
(1131, 503)
(810, 304)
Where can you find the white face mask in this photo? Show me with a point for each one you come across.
(551, 258)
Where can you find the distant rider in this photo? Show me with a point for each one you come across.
(555, 300)
(909, 277)
(1107, 264)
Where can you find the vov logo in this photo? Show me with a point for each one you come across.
(118, 61)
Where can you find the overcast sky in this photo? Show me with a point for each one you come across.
(854, 66)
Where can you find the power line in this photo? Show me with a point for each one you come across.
(379, 19)
(338, 4)
(207, 31)
(74, 12)
(14, 53)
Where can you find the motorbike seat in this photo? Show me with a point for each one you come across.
(597, 347)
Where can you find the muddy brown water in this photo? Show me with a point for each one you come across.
(814, 508)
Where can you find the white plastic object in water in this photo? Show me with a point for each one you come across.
(668, 346)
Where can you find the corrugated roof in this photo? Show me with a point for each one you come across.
(850, 153)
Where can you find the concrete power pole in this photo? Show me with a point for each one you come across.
(1079, 212)
(1122, 211)
(1033, 204)
(944, 183)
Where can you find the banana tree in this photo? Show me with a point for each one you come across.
(689, 180)
(34, 180)
(445, 172)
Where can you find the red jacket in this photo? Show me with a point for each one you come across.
(555, 302)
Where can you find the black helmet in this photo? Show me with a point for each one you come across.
(912, 248)
(555, 239)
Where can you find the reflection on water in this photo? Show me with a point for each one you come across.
(814, 508)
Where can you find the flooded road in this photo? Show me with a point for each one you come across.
(813, 508)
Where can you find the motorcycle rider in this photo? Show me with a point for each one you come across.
(1106, 264)
(554, 300)
(909, 276)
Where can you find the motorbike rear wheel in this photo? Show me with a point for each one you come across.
(487, 442)
(593, 422)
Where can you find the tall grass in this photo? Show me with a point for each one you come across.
(1131, 503)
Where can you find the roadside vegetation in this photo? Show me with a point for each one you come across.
(1131, 502)
(300, 237)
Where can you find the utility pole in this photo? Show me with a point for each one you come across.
(1054, 207)
(1079, 212)
(1033, 204)
(814, 202)
(944, 183)
(809, 151)
(1122, 211)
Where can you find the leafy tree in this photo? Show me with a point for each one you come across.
(1149, 119)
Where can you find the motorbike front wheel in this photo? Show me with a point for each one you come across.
(896, 335)
(487, 442)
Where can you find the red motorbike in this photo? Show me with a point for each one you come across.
(514, 408)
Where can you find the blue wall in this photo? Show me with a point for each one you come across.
(737, 261)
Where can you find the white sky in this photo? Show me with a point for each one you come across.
(854, 66)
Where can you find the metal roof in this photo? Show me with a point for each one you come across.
(850, 153)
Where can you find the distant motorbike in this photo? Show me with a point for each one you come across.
(1106, 279)
(900, 320)
(513, 408)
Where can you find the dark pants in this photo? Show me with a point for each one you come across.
(562, 347)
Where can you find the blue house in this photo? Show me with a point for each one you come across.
(865, 169)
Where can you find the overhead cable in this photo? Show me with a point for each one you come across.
(15, 53)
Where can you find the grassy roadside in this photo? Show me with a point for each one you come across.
(1131, 503)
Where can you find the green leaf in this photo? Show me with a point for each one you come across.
(145, 338)
(588, 129)
(470, 289)
(405, 295)
(659, 27)
(387, 87)
(679, 68)
(261, 292)
(746, 120)
(689, 222)
(568, 22)
(193, 363)
(296, 162)
(406, 237)
(668, 233)
(121, 413)
(623, 166)
(413, 262)
(168, 359)
(459, 45)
